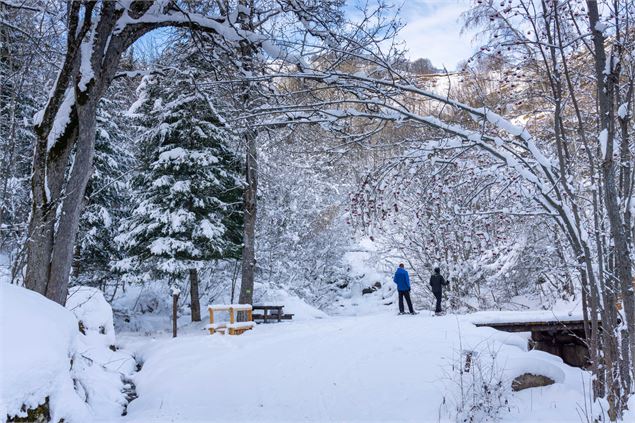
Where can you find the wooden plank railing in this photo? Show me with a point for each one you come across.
(233, 327)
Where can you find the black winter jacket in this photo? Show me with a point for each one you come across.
(436, 281)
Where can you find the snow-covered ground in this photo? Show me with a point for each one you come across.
(316, 368)
(378, 367)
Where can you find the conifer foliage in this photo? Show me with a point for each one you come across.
(107, 198)
(189, 187)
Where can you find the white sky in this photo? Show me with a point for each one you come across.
(433, 31)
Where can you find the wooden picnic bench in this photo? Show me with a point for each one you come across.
(233, 327)
(278, 314)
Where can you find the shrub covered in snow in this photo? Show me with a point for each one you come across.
(483, 389)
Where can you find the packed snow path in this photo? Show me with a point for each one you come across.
(372, 368)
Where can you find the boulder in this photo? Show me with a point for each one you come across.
(530, 380)
(371, 289)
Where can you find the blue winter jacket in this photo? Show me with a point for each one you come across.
(402, 279)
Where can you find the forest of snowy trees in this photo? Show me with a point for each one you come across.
(232, 149)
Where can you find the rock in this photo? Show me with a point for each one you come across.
(371, 289)
(529, 380)
(39, 414)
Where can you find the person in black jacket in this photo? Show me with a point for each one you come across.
(436, 283)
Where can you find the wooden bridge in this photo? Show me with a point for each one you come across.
(564, 338)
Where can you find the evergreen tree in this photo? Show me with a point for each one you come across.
(107, 199)
(19, 101)
(189, 187)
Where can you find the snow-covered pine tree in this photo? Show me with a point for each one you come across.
(107, 199)
(189, 187)
(20, 72)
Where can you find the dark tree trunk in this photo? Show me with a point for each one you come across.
(195, 303)
(247, 53)
(175, 308)
(57, 187)
(249, 231)
(607, 84)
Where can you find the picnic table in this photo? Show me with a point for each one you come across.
(277, 314)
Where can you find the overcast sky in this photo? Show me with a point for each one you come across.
(433, 31)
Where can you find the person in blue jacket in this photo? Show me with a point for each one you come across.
(402, 279)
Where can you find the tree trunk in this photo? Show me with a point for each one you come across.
(175, 307)
(195, 303)
(46, 186)
(247, 53)
(67, 124)
(606, 89)
(249, 230)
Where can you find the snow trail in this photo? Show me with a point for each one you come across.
(371, 368)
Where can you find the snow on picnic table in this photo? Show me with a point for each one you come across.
(372, 368)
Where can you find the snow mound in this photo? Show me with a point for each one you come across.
(534, 362)
(39, 338)
(99, 368)
(44, 355)
(93, 313)
(300, 309)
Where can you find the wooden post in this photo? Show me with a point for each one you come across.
(195, 303)
(211, 320)
(175, 304)
(231, 320)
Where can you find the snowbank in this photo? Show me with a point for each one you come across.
(101, 371)
(93, 313)
(44, 355)
(39, 339)
(300, 309)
